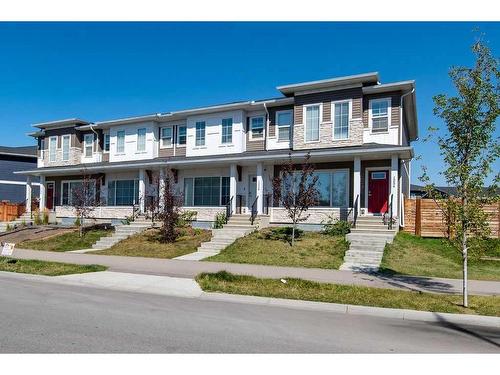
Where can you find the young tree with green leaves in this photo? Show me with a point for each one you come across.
(468, 147)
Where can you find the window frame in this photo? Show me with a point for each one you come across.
(137, 140)
(104, 136)
(177, 135)
(196, 134)
(276, 116)
(70, 203)
(118, 151)
(136, 192)
(320, 120)
(370, 114)
(53, 148)
(191, 199)
(349, 118)
(251, 137)
(68, 137)
(162, 145)
(228, 137)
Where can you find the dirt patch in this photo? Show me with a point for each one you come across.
(33, 233)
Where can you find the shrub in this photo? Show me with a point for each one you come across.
(186, 218)
(77, 222)
(282, 234)
(336, 227)
(220, 220)
(36, 217)
(8, 227)
(45, 217)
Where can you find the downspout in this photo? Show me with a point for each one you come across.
(401, 201)
(267, 126)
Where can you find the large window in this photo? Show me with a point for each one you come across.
(312, 120)
(206, 191)
(120, 141)
(65, 147)
(227, 130)
(52, 148)
(380, 115)
(89, 145)
(181, 135)
(200, 133)
(78, 193)
(123, 192)
(341, 120)
(141, 139)
(284, 123)
(333, 187)
(166, 137)
(257, 127)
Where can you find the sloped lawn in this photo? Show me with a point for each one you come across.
(412, 255)
(67, 241)
(148, 244)
(311, 250)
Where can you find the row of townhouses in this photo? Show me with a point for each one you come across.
(357, 131)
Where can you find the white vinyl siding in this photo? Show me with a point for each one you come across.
(312, 122)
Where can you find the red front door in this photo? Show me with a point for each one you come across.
(50, 195)
(378, 191)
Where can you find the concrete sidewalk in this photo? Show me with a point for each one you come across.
(189, 269)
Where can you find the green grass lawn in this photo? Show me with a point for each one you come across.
(147, 244)
(66, 242)
(38, 267)
(313, 249)
(412, 255)
(346, 294)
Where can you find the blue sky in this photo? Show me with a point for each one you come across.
(99, 71)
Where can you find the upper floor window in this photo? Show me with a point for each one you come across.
(166, 137)
(52, 148)
(284, 123)
(380, 115)
(257, 127)
(312, 121)
(107, 141)
(65, 147)
(120, 141)
(89, 145)
(341, 115)
(227, 130)
(200, 133)
(141, 139)
(181, 135)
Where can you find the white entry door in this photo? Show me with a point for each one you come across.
(252, 191)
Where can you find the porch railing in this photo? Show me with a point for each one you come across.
(355, 212)
(389, 212)
(253, 214)
(229, 209)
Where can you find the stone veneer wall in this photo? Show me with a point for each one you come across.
(104, 212)
(75, 157)
(326, 136)
(205, 213)
(316, 215)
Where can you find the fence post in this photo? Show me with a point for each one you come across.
(418, 217)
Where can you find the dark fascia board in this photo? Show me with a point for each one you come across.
(289, 90)
(60, 123)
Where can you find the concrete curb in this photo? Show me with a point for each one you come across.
(379, 312)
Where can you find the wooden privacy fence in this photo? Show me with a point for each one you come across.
(424, 218)
(11, 211)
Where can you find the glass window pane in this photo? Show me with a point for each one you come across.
(182, 135)
(341, 121)
(52, 148)
(284, 133)
(257, 127)
(312, 123)
(141, 139)
(340, 193)
(200, 133)
(120, 141)
(188, 191)
(65, 147)
(106, 142)
(284, 118)
(227, 130)
(166, 137)
(324, 187)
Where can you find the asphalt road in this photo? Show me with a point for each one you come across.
(37, 317)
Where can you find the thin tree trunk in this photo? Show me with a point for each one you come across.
(464, 255)
(293, 233)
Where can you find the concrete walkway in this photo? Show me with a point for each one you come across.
(189, 269)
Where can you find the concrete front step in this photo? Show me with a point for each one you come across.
(370, 226)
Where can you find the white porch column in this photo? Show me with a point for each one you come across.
(142, 189)
(394, 184)
(28, 194)
(161, 189)
(43, 193)
(357, 183)
(233, 178)
(260, 189)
